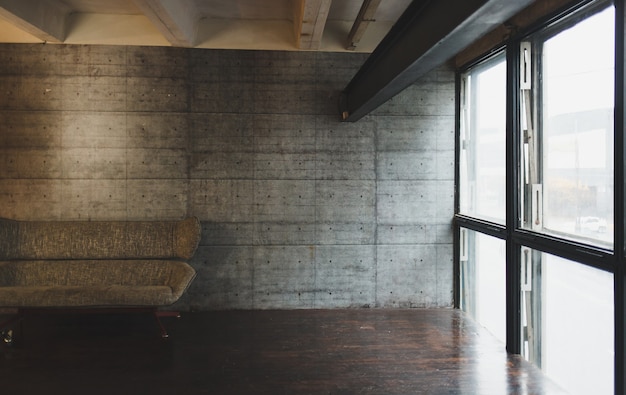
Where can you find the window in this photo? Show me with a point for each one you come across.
(567, 319)
(567, 192)
(483, 135)
(483, 293)
(538, 173)
(568, 175)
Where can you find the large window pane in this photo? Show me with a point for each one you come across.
(571, 194)
(483, 275)
(483, 153)
(568, 322)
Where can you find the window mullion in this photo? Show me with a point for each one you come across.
(620, 199)
(513, 259)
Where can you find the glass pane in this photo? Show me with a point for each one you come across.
(568, 314)
(483, 135)
(483, 280)
(577, 138)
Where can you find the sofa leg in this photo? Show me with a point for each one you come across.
(8, 335)
(157, 317)
(11, 320)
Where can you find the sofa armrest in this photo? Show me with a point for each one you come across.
(181, 276)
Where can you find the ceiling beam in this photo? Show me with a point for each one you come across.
(176, 20)
(363, 19)
(43, 19)
(429, 33)
(310, 21)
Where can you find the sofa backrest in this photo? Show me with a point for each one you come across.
(9, 246)
(99, 239)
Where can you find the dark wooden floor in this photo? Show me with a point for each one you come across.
(265, 352)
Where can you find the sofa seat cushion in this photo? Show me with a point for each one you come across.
(71, 283)
(93, 296)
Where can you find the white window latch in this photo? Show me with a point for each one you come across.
(527, 269)
(536, 206)
(525, 65)
(464, 255)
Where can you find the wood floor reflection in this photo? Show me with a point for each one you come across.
(365, 351)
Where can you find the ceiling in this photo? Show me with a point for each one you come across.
(317, 25)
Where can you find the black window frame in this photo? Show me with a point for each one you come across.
(516, 237)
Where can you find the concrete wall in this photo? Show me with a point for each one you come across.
(298, 209)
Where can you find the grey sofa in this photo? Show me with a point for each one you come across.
(95, 264)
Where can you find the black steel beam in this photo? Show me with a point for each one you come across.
(426, 35)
